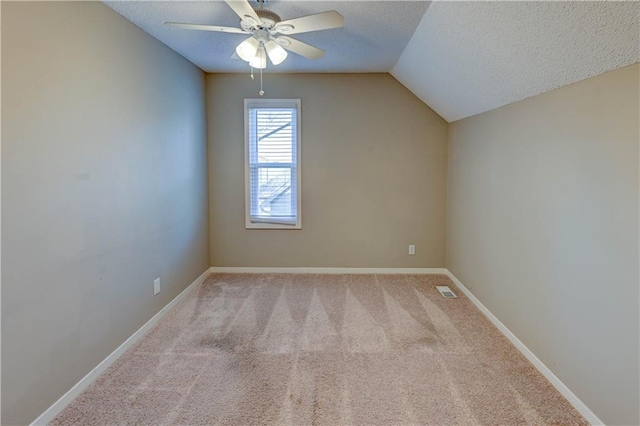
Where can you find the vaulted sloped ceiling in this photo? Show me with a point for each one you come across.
(469, 57)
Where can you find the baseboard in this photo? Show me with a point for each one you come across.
(72, 393)
(286, 270)
(546, 372)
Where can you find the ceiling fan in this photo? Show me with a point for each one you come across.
(269, 34)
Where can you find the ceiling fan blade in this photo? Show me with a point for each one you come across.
(243, 9)
(305, 24)
(207, 28)
(302, 49)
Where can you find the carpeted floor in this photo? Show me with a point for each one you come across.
(248, 349)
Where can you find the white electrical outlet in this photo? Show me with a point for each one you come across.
(412, 249)
(156, 286)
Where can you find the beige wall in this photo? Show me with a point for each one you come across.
(543, 229)
(103, 190)
(373, 174)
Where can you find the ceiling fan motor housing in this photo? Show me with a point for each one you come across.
(269, 18)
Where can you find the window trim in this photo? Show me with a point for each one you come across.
(265, 103)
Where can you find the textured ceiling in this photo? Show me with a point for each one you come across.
(374, 35)
(469, 57)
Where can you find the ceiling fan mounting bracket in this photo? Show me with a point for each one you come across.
(248, 23)
(281, 41)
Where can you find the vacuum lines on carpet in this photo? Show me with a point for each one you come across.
(297, 349)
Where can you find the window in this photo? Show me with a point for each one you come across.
(272, 163)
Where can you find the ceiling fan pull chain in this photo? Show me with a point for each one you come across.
(251, 73)
(261, 91)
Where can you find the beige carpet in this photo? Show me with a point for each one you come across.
(248, 349)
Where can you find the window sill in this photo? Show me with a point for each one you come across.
(253, 225)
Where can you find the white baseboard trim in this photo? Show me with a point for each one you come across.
(285, 270)
(546, 372)
(72, 393)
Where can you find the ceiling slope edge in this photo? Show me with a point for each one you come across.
(466, 58)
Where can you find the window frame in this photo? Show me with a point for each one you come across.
(266, 103)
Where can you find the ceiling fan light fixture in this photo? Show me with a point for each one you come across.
(247, 49)
(260, 59)
(276, 53)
